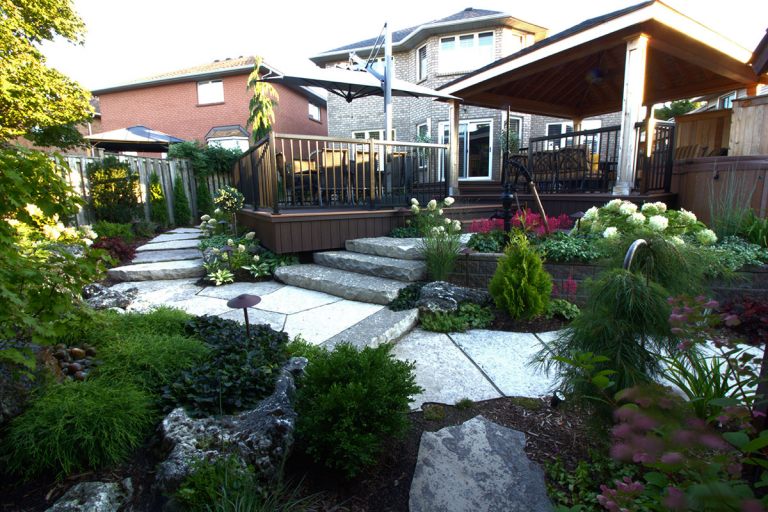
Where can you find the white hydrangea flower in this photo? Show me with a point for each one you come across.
(215, 250)
(649, 209)
(610, 232)
(432, 204)
(241, 248)
(437, 230)
(230, 242)
(706, 237)
(636, 219)
(447, 221)
(662, 207)
(440, 211)
(448, 201)
(33, 210)
(590, 214)
(687, 217)
(613, 205)
(415, 208)
(217, 211)
(250, 236)
(658, 223)
(414, 201)
(212, 222)
(224, 256)
(456, 225)
(627, 208)
(676, 240)
(70, 232)
(87, 242)
(51, 232)
(256, 258)
(205, 218)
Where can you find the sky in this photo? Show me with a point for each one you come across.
(129, 40)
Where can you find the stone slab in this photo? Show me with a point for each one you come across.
(200, 306)
(185, 230)
(319, 324)
(228, 291)
(399, 248)
(478, 466)
(173, 255)
(158, 270)
(349, 285)
(504, 357)
(381, 327)
(445, 373)
(158, 293)
(169, 237)
(257, 316)
(165, 246)
(380, 266)
(290, 299)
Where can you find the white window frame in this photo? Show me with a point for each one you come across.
(587, 124)
(724, 100)
(422, 70)
(428, 132)
(457, 60)
(240, 143)
(207, 94)
(441, 130)
(316, 113)
(366, 134)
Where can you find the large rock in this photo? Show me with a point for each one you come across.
(399, 248)
(169, 255)
(161, 270)
(260, 437)
(169, 245)
(100, 297)
(443, 297)
(380, 266)
(94, 497)
(341, 283)
(478, 466)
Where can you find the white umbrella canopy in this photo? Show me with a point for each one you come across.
(350, 84)
(133, 138)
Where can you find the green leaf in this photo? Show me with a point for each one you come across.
(657, 479)
(755, 445)
(737, 439)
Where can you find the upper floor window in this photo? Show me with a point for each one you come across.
(726, 101)
(372, 134)
(210, 91)
(466, 51)
(421, 64)
(314, 112)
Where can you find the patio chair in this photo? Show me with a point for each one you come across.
(572, 168)
(543, 169)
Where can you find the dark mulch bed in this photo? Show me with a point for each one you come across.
(503, 322)
(551, 434)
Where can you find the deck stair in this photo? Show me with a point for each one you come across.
(370, 270)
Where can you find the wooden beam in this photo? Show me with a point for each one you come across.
(453, 167)
(522, 105)
(687, 91)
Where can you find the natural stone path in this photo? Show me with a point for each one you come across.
(172, 255)
(478, 466)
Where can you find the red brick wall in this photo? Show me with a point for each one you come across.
(173, 109)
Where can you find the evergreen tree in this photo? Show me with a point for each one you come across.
(158, 208)
(204, 198)
(181, 213)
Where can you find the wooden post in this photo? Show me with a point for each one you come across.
(631, 111)
(272, 173)
(372, 174)
(453, 148)
(577, 123)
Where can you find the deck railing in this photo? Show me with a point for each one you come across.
(296, 171)
(654, 162)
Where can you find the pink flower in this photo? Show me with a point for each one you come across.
(675, 500)
(752, 506)
(731, 320)
(672, 458)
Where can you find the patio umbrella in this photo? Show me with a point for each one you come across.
(134, 138)
(350, 84)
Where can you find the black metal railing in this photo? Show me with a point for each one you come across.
(297, 171)
(654, 163)
(583, 161)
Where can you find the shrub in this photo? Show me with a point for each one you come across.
(564, 248)
(431, 216)
(734, 253)
(114, 190)
(748, 317)
(182, 216)
(406, 297)
(158, 206)
(350, 402)
(117, 248)
(440, 249)
(625, 321)
(755, 229)
(563, 309)
(238, 372)
(405, 232)
(113, 230)
(520, 286)
(488, 241)
(144, 229)
(468, 316)
(299, 347)
(229, 200)
(77, 426)
(204, 198)
(729, 207)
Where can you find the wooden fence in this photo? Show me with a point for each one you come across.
(167, 170)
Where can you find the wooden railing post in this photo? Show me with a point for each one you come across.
(272, 170)
(371, 173)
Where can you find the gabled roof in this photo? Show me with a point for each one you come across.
(211, 70)
(407, 38)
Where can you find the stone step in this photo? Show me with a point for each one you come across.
(158, 270)
(379, 266)
(398, 248)
(170, 255)
(341, 283)
(382, 327)
(170, 237)
(169, 245)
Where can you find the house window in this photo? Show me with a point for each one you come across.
(726, 101)
(566, 128)
(422, 136)
(240, 143)
(314, 112)
(371, 134)
(512, 134)
(210, 91)
(465, 52)
(422, 63)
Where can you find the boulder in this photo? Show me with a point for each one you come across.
(477, 465)
(101, 297)
(95, 497)
(17, 386)
(442, 297)
(260, 437)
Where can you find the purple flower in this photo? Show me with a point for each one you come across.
(675, 500)
(672, 458)
(731, 320)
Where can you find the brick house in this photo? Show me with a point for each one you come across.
(208, 103)
(433, 54)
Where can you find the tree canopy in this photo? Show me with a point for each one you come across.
(674, 109)
(262, 106)
(32, 95)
